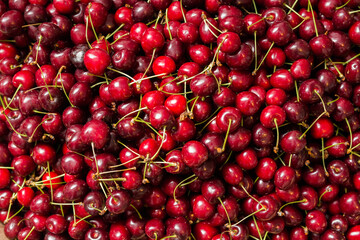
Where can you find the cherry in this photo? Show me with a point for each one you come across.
(75, 190)
(96, 61)
(152, 39)
(119, 230)
(202, 209)
(280, 33)
(208, 30)
(315, 221)
(322, 46)
(94, 203)
(11, 22)
(272, 116)
(204, 231)
(284, 177)
(239, 140)
(194, 153)
(266, 169)
(276, 96)
(78, 229)
(43, 153)
(142, 11)
(248, 103)
(266, 208)
(23, 165)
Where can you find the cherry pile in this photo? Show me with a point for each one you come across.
(177, 120)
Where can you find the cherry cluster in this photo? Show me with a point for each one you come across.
(178, 120)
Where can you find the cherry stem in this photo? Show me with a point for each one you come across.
(294, 202)
(291, 9)
(290, 158)
(167, 24)
(226, 136)
(12, 127)
(172, 236)
(9, 208)
(247, 193)
(251, 214)
(102, 184)
(350, 132)
(313, 17)
(119, 38)
(51, 187)
(37, 49)
(357, 145)
(255, 8)
(137, 211)
(92, 25)
(180, 184)
(94, 154)
(276, 148)
(128, 114)
(207, 22)
(356, 11)
(22, 207)
(182, 11)
(342, 77)
(193, 105)
(323, 157)
(158, 18)
(299, 24)
(336, 144)
(31, 230)
(151, 61)
(326, 191)
(148, 124)
(226, 212)
(343, 5)
(115, 166)
(357, 55)
(65, 204)
(33, 133)
(13, 97)
(29, 25)
(115, 31)
(111, 179)
(255, 48)
(257, 227)
(4, 167)
(161, 144)
(82, 219)
(122, 73)
(304, 133)
(262, 19)
(297, 91)
(124, 145)
(227, 159)
(208, 120)
(263, 59)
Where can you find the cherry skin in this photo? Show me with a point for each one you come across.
(354, 32)
(248, 103)
(272, 116)
(269, 206)
(25, 196)
(316, 221)
(202, 209)
(96, 61)
(266, 169)
(284, 177)
(194, 153)
(228, 118)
